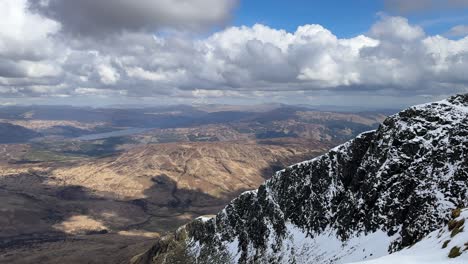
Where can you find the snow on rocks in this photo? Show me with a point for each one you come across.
(377, 194)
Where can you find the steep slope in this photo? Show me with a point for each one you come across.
(106, 210)
(448, 245)
(215, 169)
(374, 195)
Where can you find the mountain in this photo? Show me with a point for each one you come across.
(254, 122)
(182, 175)
(377, 194)
(73, 209)
(10, 133)
(449, 241)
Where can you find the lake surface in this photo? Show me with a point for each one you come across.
(118, 133)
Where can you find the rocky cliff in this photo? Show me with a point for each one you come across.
(372, 196)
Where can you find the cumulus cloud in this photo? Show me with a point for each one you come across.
(458, 31)
(101, 17)
(394, 58)
(108, 74)
(21, 31)
(21, 55)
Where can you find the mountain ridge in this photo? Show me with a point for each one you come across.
(396, 184)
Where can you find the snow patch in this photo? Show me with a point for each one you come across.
(429, 250)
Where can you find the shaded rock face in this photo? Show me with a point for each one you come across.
(402, 179)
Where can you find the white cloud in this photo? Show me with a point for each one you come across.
(27, 50)
(393, 58)
(396, 29)
(458, 31)
(108, 74)
(208, 93)
(99, 92)
(140, 73)
(24, 35)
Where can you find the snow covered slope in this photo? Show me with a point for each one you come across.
(374, 195)
(435, 248)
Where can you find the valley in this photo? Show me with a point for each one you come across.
(79, 189)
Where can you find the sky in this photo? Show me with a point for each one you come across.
(370, 53)
(347, 18)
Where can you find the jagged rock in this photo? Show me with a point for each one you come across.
(374, 195)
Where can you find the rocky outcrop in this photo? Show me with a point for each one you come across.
(371, 196)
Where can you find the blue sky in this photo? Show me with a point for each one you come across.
(343, 18)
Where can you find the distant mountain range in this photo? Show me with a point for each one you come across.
(265, 121)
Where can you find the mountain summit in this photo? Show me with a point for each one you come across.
(378, 194)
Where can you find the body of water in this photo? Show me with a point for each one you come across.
(119, 133)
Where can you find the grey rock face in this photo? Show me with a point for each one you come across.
(403, 179)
